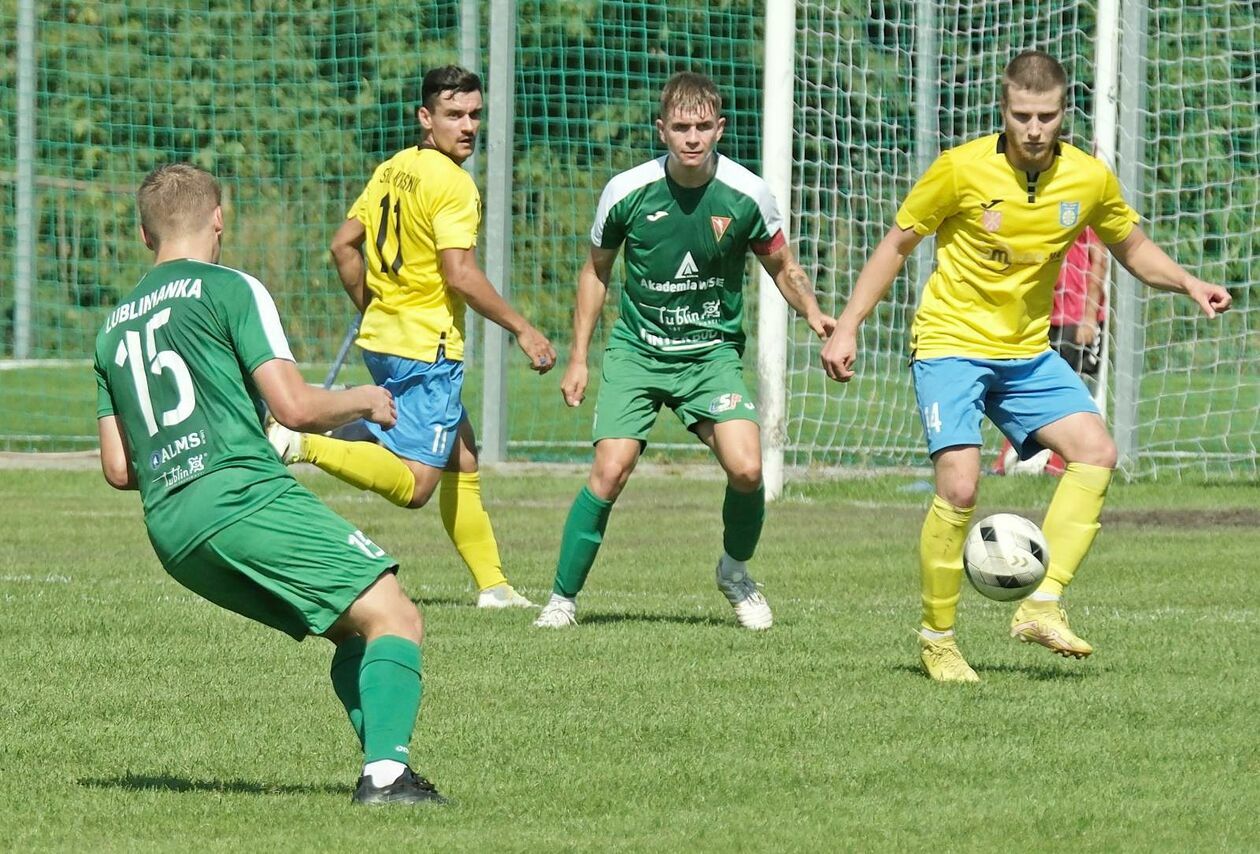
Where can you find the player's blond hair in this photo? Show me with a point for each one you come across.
(176, 199)
(688, 92)
(1034, 71)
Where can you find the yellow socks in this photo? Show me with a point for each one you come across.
(1072, 522)
(468, 526)
(940, 562)
(361, 464)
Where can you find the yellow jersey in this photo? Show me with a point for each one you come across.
(418, 203)
(1001, 235)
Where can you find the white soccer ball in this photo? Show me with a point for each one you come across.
(1005, 556)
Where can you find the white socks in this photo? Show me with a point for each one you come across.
(382, 772)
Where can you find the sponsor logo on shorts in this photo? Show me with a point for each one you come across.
(725, 403)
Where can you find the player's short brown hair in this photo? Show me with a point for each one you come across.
(176, 199)
(447, 78)
(1034, 71)
(689, 92)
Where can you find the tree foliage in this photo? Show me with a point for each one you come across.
(291, 104)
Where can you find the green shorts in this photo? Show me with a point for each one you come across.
(293, 565)
(635, 385)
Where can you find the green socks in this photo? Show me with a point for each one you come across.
(583, 534)
(347, 661)
(389, 691)
(742, 516)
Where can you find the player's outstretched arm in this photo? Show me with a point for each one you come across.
(797, 289)
(1152, 266)
(592, 291)
(462, 275)
(347, 256)
(310, 409)
(873, 282)
(115, 459)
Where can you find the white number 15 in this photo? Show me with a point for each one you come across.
(159, 361)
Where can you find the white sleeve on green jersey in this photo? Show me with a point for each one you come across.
(751, 185)
(609, 229)
(256, 331)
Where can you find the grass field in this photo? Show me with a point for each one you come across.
(136, 717)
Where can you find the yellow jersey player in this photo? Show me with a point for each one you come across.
(406, 256)
(1005, 208)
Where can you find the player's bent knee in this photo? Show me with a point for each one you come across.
(1097, 450)
(411, 625)
(960, 495)
(745, 478)
(420, 496)
(1104, 456)
(609, 478)
(402, 620)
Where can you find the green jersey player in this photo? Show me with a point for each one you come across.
(686, 222)
(184, 364)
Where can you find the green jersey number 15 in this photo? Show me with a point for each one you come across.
(158, 361)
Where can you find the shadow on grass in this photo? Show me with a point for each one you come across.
(1038, 672)
(444, 602)
(165, 782)
(677, 619)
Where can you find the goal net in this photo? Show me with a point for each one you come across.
(871, 82)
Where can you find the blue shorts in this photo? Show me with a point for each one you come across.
(429, 406)
(1020, 396)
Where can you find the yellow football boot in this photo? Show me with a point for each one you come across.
(1046, 623)
(944, 662)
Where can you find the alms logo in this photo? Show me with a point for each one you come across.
(687, 269)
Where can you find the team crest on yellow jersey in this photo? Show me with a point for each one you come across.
(720, 225)
(1069, 212)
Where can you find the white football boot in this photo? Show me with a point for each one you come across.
(558, 613)
(751, 609)
(502, 596)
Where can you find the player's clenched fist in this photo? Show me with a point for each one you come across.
(542, 356)
(1213, 299)
(838, 354)
(573, 386)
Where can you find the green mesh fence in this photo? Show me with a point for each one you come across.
(589, 77)
(291, 105)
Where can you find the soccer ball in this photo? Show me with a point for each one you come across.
(1005, 556)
